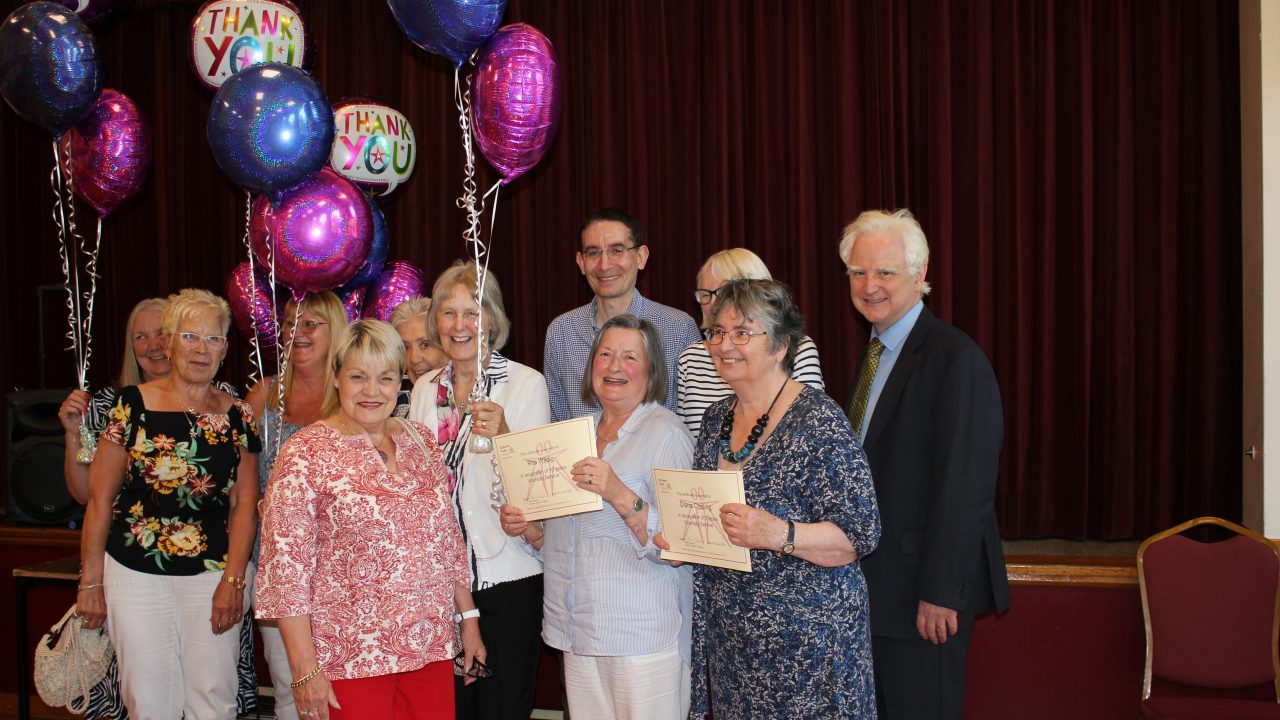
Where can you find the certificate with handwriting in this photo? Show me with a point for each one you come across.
(534, 465)
(689, 504)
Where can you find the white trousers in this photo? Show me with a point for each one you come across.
(171, 664)
(281, 673)
(628, 687)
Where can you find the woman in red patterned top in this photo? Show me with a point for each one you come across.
(363, 564)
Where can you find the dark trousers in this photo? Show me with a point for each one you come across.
(917, 680)
(511, 627)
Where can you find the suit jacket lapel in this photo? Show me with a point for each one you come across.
(898, 378)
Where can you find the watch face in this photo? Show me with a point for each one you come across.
(788, 548)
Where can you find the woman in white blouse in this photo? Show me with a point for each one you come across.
(620, 614)
(506, 576)
(698, 385)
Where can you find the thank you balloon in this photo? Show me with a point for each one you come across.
(230, 35)
(373, 145)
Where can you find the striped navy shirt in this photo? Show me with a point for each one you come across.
(568, 345)
(698, 384)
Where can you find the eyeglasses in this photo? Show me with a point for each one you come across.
(191, 340)
(306, 325)
(704, 297)
(715, 336)
(615, 252)
(478, 669)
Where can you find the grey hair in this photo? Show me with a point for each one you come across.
(658, 383)
(900, 223)
(769, 303)
(415, 307)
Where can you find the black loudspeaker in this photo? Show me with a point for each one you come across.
(36, 491)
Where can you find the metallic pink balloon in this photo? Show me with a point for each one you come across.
(353, 301)
(110, 152)
(516, 105)
(320, 233)
(398, 282)
(251, 306)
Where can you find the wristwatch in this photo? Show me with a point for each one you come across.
(634, 509)
(467, 614)
(789, 546)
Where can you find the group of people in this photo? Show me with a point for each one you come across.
(350, 503)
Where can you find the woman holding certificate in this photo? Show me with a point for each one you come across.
(506, 579)
(792, 637)
(363, 566)
(619, 612)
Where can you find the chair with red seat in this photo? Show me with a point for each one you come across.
(1212, 616)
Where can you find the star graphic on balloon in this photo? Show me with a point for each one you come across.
(245, 57)
(377, 155)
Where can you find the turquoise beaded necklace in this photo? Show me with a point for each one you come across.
(726, 430)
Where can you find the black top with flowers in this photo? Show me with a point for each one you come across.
(170, 517)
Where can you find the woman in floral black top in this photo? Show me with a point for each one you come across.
(170, 524)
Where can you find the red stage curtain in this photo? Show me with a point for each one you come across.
(1074, 163)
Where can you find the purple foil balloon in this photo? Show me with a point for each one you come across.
(398, 282)
(516, 106)
(320, 233)
(251, 306)
(49, 68)
(91, 10)
(353, 301)
(110, 152)
(451, 28)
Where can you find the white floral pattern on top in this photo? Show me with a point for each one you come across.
(372, 557)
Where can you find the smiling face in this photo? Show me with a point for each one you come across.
(148, 340)
(620, 370)
(197, 362)
(613, 273)
(420, 356)
(310, 337)
(367, 390)
(456, 317)
(739, 363)
(880, 284)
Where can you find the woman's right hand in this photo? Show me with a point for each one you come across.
(72, 411)
(512, 519)
(314, 697)
(92, 606)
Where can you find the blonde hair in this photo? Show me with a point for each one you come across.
(463, 272)
(190, 302)
(413, 308)
(736, 264)
(331, 310)
(369, 339)
(130, 370)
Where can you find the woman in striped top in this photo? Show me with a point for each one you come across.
(698, 385)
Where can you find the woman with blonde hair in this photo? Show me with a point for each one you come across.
(284, 408)
(177, 462)
(698, 385)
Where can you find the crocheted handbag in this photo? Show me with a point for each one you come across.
(69, 661)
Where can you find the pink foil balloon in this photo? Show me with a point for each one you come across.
(251, 306)
(398, 282)
(110, 152)
(516, 106)
(320, 233)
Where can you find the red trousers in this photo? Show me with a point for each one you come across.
(425, 694)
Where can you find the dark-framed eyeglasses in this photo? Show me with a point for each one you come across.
(615, 252)
(478, 669)
(190, 339)
(715, 336)
(704, 297)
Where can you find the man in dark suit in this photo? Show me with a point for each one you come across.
(927, 408)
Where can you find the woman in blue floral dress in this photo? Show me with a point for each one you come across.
(170, 524)
(791, 639)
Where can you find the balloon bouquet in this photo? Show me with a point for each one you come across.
(50, 74)
(514, 117)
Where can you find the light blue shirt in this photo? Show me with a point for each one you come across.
(893, 338)
(604, 593)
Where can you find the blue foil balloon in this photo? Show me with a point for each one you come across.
(270, 128)
(451, 28)
(378, 250)
(49, 68)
